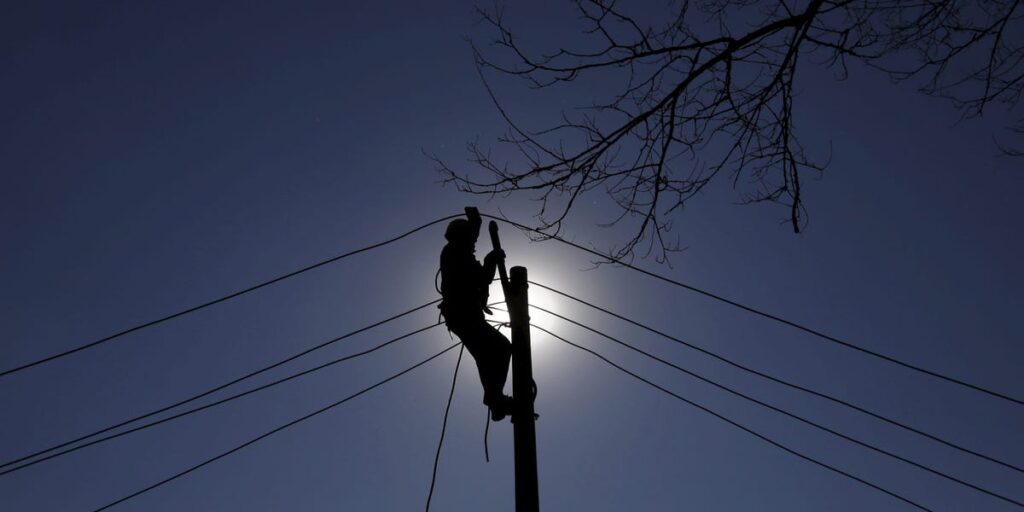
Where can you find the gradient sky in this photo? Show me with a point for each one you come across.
(154, 157)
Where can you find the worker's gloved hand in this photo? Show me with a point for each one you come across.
(494, 256)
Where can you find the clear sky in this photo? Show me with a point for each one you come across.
(157, 156)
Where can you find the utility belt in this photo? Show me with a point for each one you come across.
(459, 311)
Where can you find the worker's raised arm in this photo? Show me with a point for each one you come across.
(474, 221)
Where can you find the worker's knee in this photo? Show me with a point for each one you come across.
(500, 341)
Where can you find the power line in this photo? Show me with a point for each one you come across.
(221, 299)
(761, 313)
(789, 414)
(214, 404)
(216, 388)
(547, 236)
(272, 432)
(737, 425)
(444, 427)
(786, 383)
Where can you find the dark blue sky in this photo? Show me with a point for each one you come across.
(154, 157)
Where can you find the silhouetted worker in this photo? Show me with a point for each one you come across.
(464, 285)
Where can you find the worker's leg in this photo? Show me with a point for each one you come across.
(498, 352)
(491, 351)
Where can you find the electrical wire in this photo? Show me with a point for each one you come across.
(215, 388)
(588, 250)
(229, 296)
(761, 313)
(236, 396)
(572, 244)
(789, 414)
(444, 427)
(778, 380)
(487, 428)
(213, 404)
(272, 432)
(738, 425)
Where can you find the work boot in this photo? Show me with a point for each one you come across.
(500, 408)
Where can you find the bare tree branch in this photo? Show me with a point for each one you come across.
(695, 106)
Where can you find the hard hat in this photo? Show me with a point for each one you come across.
(458, 231)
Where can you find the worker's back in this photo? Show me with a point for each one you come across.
(462, 283)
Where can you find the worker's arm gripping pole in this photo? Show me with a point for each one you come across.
(523, 390)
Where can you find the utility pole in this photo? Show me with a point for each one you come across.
(523, 387)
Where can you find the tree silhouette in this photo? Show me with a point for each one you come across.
(707, 93)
